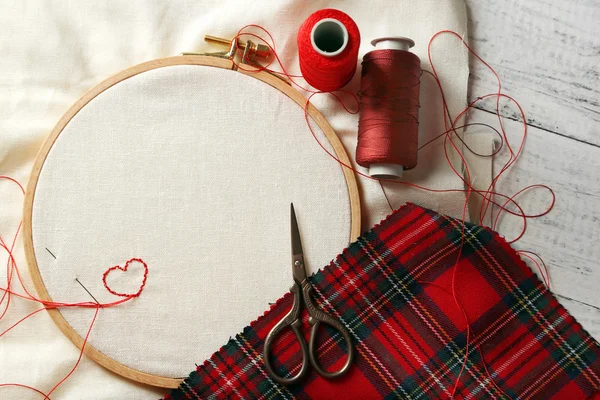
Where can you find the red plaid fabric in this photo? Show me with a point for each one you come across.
(392, 291)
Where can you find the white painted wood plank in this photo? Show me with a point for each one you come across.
(548, 56)
(567, 238)
(568, 235)
(587, 316)
(547, 53)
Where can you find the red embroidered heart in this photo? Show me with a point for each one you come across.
(124, 270)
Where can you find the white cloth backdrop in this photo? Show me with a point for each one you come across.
(54, 51)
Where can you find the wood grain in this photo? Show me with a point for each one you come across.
(38, 282)
(567, 237)
(548, 55)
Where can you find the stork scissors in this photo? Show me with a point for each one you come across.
(302, 291)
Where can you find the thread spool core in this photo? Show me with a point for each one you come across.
(389, 171)
(393, 43)
(329, 37)
(386, 171)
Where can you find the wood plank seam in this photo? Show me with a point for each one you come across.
(480, 108)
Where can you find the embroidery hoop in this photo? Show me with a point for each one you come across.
(215, 60)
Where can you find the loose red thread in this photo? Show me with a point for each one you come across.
(124, 269)
(541, 265)
(507, 204)
(12, 272)
(255, 67)
(449, 135)
(466, 319)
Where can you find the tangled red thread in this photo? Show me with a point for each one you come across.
(506, 204)
(13, 273)
(451, 139)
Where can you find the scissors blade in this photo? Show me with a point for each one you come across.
(297, 253)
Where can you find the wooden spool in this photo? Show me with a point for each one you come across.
(198, 60)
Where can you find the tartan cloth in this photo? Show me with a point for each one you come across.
(392, 291)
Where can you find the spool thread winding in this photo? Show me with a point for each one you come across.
(328, 43)
(388, 127)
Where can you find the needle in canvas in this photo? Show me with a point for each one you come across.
(88, 292)
(51, 253)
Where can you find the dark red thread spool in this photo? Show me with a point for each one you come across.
(388, 127)
(328, 43)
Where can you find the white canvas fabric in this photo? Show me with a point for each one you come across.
(54, 51)
(203, 198)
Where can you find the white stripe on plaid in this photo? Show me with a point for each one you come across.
(191, 390)
(406, 346)
(227, 382)
(557, 365)
(256, 361)
(385, 298)
(418, 308)
(531, 310)
(518, 354)
(374, 361)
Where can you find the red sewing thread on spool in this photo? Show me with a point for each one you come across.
(328, 43)
(388, 127)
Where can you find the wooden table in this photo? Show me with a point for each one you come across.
(547, 53)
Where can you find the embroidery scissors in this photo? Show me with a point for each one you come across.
(302, 291)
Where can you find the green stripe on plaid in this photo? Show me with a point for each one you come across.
(392, 290)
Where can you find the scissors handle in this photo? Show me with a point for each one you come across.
(292, 320)
(317, 316)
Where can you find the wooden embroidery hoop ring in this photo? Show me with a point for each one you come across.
(199, 60)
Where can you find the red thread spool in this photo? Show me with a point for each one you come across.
(388, 128)
(328, 43)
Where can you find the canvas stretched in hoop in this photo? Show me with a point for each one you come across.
(160, 163)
